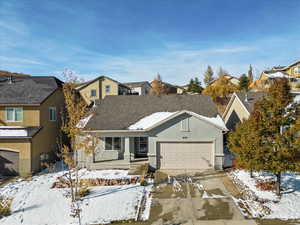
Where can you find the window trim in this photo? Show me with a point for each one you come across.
(91, 93)
(112, 144)
(297, 70)
(14, 114)
(107, 86)
(140, 142)
(49, 110)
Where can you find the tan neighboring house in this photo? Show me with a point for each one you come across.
(170, 88)
(292, 72)
(240, 106)
(233, 80)
(29, 121)
(100, 87)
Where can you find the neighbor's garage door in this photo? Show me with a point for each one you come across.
(186, 155)
(9, 163)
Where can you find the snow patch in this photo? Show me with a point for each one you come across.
(12, 131)
(150, 120)
(83, 122)
(207, 196)
(277, 75)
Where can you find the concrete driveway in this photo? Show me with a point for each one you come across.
(186, 205)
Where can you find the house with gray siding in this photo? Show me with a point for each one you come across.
(169, 132)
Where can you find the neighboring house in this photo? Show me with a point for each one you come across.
(232, 80)
(169, 132)
(29, 121)
(240, 106)
(292, 72)
(139, 88)
(171, 89)
(100, 87)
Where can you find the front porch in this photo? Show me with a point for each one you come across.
(118, 164)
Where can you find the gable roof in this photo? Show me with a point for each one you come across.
(137, 84)
(248, 100)
(85, 84)
(30, 90)
(119, 112)
(281, 68)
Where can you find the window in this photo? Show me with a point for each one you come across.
(14, 114)
(107, 89)
(297, 70)
(141, 146)
(52, 114)
(93, 93)
(112, 143)
(185, 124)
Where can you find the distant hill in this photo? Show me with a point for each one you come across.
(8, 74)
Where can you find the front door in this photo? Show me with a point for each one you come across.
(140, 147)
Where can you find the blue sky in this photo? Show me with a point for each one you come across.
(133, 40)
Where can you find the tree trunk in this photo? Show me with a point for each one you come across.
(278, 184)
(251, 173)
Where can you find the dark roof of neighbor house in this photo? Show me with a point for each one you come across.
(83, 85)
(249, 98)
(29, 90)
(119, 112)
(137, 84)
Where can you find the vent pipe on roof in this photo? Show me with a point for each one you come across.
(246, 97)
(10, 80)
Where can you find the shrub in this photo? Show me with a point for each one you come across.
(82, 192)
(5, 204)
(265, 185)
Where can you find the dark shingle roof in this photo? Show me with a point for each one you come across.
(31, 131)
(137, 84)
(119, 112)
(27, 90)
(252, 97)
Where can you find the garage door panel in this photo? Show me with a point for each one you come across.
(9, 163)
(186, 155)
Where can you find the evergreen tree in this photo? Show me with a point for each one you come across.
(195, 86)
(244, 83)
(250, 74)
(208, 76)
(222, 72)
(273, 129)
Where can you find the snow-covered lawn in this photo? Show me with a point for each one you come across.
(36, 203)
(286, 207)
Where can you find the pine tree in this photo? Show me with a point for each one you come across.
(195, 86)
(191, 85)
(244, 83)
(250, 74)
(208, 76)
(275, 146)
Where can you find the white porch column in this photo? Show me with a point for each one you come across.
(127, 155)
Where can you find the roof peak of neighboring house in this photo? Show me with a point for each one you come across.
(281, 68)
(247, 99)
(136, 83)
(85, 84)
(119, 112)
(27, 90)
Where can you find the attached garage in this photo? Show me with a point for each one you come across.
(9, 162)
(186, 155)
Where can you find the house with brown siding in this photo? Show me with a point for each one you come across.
(100, 87)
(29, 121)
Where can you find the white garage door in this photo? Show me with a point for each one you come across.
(186, 155)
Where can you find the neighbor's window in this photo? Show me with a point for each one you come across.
(52, 114)
(112, 143)
(185, 124)
(297, 70)
(93, 93)
(107, 89)
(14, 114)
